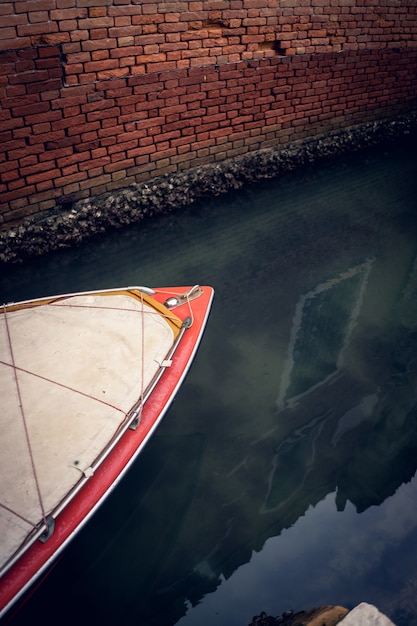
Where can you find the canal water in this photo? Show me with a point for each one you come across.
(283, 476)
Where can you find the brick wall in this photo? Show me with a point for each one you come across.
(97, 94)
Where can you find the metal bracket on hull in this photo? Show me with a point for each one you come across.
(50, 526)
(187, 323)
(137, 415)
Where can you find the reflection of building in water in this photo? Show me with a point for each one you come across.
(323, 321)
(360, 437)
(347, 425)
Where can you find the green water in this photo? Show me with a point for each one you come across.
(283, 476)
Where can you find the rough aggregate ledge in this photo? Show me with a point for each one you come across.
(61, 228)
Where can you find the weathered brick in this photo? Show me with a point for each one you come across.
(40, 28)
(99, 44)
(49, 174)
(95, 22)
(27, 190)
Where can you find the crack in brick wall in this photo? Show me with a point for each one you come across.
(102, 39)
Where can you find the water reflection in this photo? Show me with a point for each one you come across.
(322, 324)
(285, 467)
(323, 551)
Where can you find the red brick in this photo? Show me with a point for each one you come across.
(29, 77)
(69, 122)
(50, 174)
(141, 151)
(112, 112)
(99, 44)
(8, 33)
(99, 182)
(41, 28)
(95, 22)
(50, 85)
(37, 118)
(47, 63)
(116, 165)
(98, 162)
(28, 190)
(126, 9)
(122, 147)
(97, 105)
(113, 74)
(97, 66)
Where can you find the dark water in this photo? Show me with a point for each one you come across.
(283, 476)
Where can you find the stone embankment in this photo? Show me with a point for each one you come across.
(75, 223)
(362, 615)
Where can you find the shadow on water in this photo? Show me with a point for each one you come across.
(283, 476)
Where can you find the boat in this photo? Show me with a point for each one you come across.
(85, 379)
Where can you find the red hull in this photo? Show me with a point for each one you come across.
(40, 555)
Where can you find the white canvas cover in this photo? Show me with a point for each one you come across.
(80, 364)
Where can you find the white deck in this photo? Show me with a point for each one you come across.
(106, 347)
